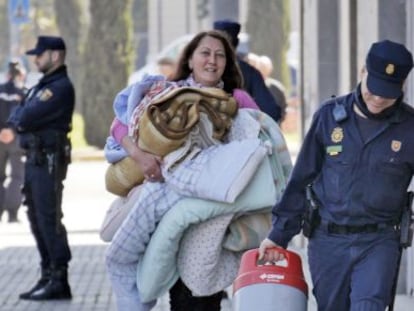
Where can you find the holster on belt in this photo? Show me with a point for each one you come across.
(311, 217)
(406, 229)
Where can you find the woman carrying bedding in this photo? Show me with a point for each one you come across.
(208, 61)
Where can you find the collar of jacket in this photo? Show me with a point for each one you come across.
(392, 114)
(58, 72)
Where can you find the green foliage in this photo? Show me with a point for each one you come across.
(78, 132)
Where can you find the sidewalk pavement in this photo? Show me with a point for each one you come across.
(85, 202)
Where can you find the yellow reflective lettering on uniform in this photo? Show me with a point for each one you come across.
(396, 145)
(45, 95)
(337, 135)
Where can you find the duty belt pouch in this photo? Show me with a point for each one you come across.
(35, 154)
(36, 157)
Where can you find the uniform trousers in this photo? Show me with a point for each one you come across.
(10, 193)
(353, 272)
(43, 188)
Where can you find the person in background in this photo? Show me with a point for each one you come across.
(252, 59)
(166, 66)
(43, 121)
(356, 164)
(11, 94)
(265, 66)
(253, 81)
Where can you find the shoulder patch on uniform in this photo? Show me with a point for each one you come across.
(45, 95)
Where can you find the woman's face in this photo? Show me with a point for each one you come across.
(208, 61)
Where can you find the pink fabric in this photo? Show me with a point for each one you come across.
(244, 99)
(118, 130)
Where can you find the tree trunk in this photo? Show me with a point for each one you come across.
(68, 18)
(107, 63)
(268, 26)
(140, 17)
(4, 35)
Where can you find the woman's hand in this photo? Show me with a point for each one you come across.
(268, 251)
(149, 163)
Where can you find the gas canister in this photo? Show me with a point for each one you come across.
(270, 286)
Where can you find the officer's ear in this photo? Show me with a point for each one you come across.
(363, 71)
(54, 55)
(58, 56)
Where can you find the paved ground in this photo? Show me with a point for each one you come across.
(85, 203)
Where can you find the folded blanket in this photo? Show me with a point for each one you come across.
(165, 126)
(207, 273)
(117, 212)
(202, 257)
(247, 231)
(167, 121)
(157, 270)
(216, 173)
(205, 263)
(122, 176)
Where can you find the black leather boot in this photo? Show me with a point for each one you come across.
(56, 288)
(44, 278)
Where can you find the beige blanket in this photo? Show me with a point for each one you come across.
(165, 125)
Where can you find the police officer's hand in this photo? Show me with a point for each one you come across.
(6, 136)
(268, 251)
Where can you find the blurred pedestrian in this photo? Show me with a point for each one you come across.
(166, 66)
(354, 168)
(253, 81)
(43, 121)
(11, 178)
(252, 59)
(265, 65)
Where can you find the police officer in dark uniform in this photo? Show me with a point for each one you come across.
(11, 94)
(358, 157)
(43, 122)
(253, 80)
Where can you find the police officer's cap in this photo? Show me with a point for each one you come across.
(388, 64)
(47, 43)
(230, 27)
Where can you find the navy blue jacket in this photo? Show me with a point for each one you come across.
(256, 87)
(355, 182)
(48, 107)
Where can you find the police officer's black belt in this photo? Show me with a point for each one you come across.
(330, 227)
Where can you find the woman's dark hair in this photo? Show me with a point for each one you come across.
(232, 76)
